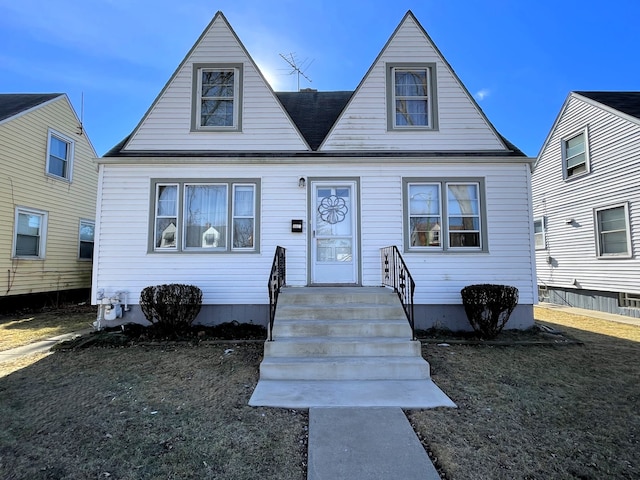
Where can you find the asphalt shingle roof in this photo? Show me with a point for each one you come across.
(625, 102)
(13, 103)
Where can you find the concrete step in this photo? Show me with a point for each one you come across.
(351, 311)
(344, 368)
(285, 328)
(338, 347)
(336, 295)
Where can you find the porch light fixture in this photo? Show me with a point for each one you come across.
(302, 182)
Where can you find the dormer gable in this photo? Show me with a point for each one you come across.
(411, 99)
(216, 100)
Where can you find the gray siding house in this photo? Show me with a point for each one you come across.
(221, 170)
(586, 196)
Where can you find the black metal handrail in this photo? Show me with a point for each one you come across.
(277, 280)
(396, 275)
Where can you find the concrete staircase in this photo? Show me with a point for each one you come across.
(343, 346)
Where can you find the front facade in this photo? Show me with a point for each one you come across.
(586, 191)
(222, 170)
(47, 196)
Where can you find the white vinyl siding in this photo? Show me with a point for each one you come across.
(458, 123)
(30, 234)
(125, 199)
(612, 231)
(59, 155)
(614, 179)
(262, 122)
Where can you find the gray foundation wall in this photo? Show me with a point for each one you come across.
(451, 317)
(588, 299)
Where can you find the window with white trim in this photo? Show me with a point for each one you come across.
(612, 231)
(411, 96)
(217, 97)
(575, 155)
(86, 237)
(444, 215)
(539, 233)
(30, 233)
(59, 155)
(205, 216)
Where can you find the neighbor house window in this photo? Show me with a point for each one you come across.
(30, 233)
(575, 155)
(629, 300)
(59, 155)
(86, 239)
(217, 97)
(411, 96)
(539, 232)
(444, 215)
(612, 231)
(205, 216)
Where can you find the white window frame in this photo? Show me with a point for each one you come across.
(70, 154)
(542, 234)
(180, 245)
(42, 243)
(629, 300)
(196, 120)
(445, 216)
(598, 233)
(430, 98)
(84, 222)
(567, 172)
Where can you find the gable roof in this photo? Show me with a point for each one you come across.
(314, 113)
(12, 104)
(625, 102)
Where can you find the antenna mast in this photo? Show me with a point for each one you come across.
(298, 69)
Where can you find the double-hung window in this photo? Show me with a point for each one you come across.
(411, 96)
(205, 216)
(444, 215)
(30, 233)
(217, 97)
(86, 237)
(612, 231)
(539, 233)
(575, 155)
(59, 155)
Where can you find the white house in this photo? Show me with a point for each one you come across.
(221, 169)
(586, 191)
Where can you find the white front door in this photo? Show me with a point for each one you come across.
(334, 245)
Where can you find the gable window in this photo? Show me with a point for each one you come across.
(575, 155)
(444, 215)
(205, 216)
(411, 96)
(59, 155)
(30, 233)
(539, 232)
(86, 236)
(612, 231)
(217, 98)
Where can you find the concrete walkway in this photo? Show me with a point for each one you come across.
(42, 346)
(365, 444)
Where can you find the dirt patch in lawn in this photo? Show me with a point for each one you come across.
(561, 411)
(146, 413)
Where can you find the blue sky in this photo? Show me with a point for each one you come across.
(519, 59)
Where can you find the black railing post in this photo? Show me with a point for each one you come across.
(277, 280)
(396, 275)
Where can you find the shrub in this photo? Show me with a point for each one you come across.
(488, 307)
(172, 307)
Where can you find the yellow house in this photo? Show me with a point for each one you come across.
(48, 182)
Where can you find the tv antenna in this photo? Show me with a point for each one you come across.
(297, 68)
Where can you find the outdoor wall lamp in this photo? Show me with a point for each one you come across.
(302, 182)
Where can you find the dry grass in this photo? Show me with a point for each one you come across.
(21, 329)
(539, 412)
(146, 413)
